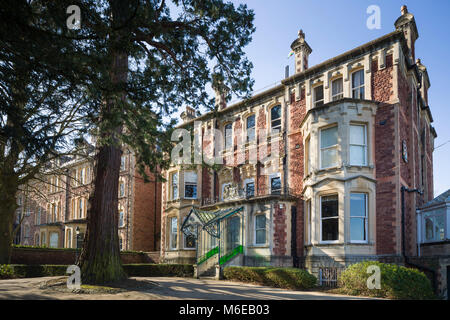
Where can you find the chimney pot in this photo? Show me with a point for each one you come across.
(404, 10)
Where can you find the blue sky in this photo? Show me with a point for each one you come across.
(333, 27)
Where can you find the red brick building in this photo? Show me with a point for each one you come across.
(343, 155)
(53, 208)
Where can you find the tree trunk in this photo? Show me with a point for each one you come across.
(100, 257)
(8, 206)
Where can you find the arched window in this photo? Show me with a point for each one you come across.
(275, 118)
(251, 128)
(228, 136)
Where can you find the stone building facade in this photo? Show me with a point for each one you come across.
(335, 143)
(53, 208)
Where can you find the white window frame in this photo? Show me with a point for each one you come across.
(247, 139)
(358, 145)
(308, 222)
(171, 176)
(315, 102)
(335, 97)
(432, 215)
(171, 244)
(335, 146)
(321, 219)
(191, 183)
(360, 86)
(275, 175)
(247, 181)
(280, 126)
(366, 218)
(255, 229)
(225, 136)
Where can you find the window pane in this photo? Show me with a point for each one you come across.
(318, 96)
(329, 206)
(275, 185)
(260, 221)
(328, 137)
(250, 189)
(190, 176)
(357, 135)
(228, 136)
(429, 229)
(358, 78)
(189, 241)
(357, 229)
(251, 122)
(330, 229)
(260, 236)
(275, 113)
(337, 86)
(357, 205)
(357, 155)
(190, 191)
(329, 157)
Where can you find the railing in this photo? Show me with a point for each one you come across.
(208, 255)
(227, 257)
(328, 277)
(258, 192)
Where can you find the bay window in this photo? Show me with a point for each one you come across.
(190, 185)
(328, 147)
(358, 217)
(173, 233)
(358, 145)
(329, 218)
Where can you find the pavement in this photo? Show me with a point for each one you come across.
(164, 288)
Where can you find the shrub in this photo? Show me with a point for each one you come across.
(288, 278)
(159, 270)
(6, 271)
(33, 271)
(397, 282)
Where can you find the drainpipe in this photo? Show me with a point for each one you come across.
(404, 256)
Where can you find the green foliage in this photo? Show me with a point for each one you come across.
(159, 270)
(33, 271)
(6, 271)
(397, 282)
(288, 278)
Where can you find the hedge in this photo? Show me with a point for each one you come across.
(287, 278)
(133, 270)
(396, 282)
(32, 271)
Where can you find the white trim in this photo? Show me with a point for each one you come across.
(335, 146)
(254, 230)
(358, 145)
(366, 218)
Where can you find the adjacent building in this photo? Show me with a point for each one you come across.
(53, 208)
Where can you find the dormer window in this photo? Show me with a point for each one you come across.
(318, 96)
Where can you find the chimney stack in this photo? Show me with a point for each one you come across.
(187, 115)
(221, 92)
(407, 24)
(302, 51)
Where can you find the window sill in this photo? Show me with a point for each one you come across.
(259, 246)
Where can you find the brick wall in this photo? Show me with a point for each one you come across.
(146, 214)
(279, 229)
